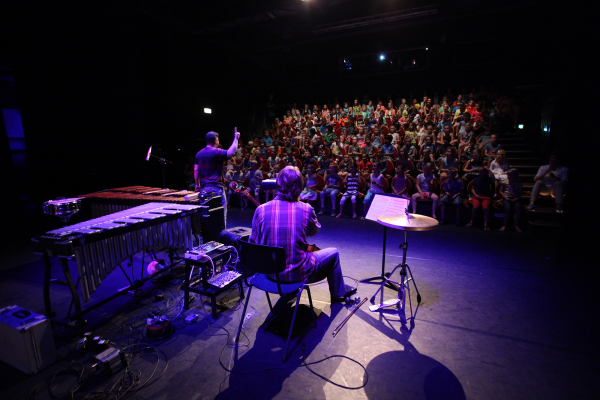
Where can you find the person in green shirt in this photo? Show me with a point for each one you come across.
(329, 136)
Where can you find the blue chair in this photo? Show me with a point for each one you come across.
(261, 263)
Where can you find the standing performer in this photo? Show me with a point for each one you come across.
(208, 167)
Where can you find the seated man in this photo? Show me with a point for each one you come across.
(286, 222)
(550, 180)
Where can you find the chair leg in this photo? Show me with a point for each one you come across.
(237, 338)
(312, 310)
(269, 301)
(287, 344)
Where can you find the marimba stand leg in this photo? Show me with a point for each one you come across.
(79, 321)
(384, 275)
(47, 277)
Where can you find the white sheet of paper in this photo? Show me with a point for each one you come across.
(387, 205)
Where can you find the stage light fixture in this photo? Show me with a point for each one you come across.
(546, 129)
(521, 126)
(382, 57)
(426, 48)
(207, 111)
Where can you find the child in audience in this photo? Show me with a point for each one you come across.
(481, 193)
(272, 175)
(344, 167)
(376, 187)
(402, 159)
(424, 183)
(511, 193)
(333, 184)
(448, 162)
(290, 160)
(427, 157)
(399, 187)
(451, 192)
(352, 182)
(324, 163)
(254, 179)
(365, 166)
(499, 166)
(264, 150)
(472, 166)
(310, 189)
(238, 177)
(428, 144)
(388, 148)
(273, 160)
(410, 148)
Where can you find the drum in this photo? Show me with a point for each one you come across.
(63, 208)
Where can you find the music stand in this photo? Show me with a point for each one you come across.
(406, 222)
(384, 204)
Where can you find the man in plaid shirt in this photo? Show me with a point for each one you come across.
(286, 222)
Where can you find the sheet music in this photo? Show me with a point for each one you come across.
(387, 205)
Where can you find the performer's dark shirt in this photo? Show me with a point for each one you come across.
(210, 165)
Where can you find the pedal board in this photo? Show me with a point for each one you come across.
(387, 303)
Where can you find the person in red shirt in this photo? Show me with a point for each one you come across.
(365, 167)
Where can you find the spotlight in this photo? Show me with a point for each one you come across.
(426, 48)
(521, 126)
(207, 111)
(382, 57)
(546, 129)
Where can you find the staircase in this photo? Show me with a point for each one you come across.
(544, 218)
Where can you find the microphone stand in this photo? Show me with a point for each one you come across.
(162, 161)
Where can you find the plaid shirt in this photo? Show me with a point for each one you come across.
(287, 224)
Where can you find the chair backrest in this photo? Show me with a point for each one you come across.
(265, 165)
(299, 164)
(442, 185)
(328, 151)
(320, 182)
(260, 259)
(386, 185)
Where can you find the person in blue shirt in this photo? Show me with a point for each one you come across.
(388, 147)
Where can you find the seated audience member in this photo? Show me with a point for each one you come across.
(447, 162)
(428, 144)
(388, 148)
(511, 194)
(268, 139)
(238, 177)
(354, 149)
(272, 175)
(446, 136)
(424, 186)
(344, 166)
(472, 166)
(402, 159)
(273, 160)
(377, 137)
(465, 134)
(395, 136)
(264, 150)
(550, 179)
(333, 185)
(399, 187)
(411, 148)
(255, 177)
(381, 161)
(324, 163)
(365, 166)
(290, 160)
(481, 193)
(411, 132)
(376, 187)
(352, 182)
(310, 189)
(499, 166)
(336, 148)
(451, 193)
(286, 222)
(427, 157)
(491, 148)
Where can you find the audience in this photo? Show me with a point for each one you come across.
(429, 141)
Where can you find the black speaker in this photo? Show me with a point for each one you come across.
(232, 236)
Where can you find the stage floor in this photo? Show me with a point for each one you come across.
(503, 316)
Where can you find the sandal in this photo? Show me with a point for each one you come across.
(486, 228)
(339, 215)
(354, 216)
(469, 225)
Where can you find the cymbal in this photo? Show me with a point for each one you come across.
(414, 222)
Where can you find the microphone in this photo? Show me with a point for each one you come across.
(148, 155)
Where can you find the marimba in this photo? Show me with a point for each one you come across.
(100, 245)
(112, 200)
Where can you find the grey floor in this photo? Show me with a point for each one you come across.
(503, 316)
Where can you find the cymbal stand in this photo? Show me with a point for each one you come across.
(403, 286)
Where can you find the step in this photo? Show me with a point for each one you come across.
(532, 161)
(543, 226)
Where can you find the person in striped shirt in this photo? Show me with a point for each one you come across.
(352, 182)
